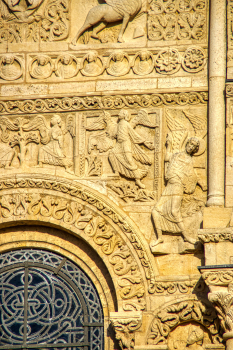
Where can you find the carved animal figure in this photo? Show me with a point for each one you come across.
(112, 11)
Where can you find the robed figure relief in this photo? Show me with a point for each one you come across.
(180, 175)
(126, 155)
(112, 11)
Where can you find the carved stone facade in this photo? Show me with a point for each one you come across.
(112, 141)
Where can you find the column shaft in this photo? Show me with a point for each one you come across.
(217, 76)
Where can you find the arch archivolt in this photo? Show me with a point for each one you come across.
(84, 213)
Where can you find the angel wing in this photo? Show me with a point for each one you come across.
(103, 141)
(199, 124)
(142, 119)
(178, 131)
(70, 126)
(5, 123)
(38, 123)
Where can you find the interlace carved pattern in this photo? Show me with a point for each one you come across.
(172, 20)
(47, 300)
(101, 102)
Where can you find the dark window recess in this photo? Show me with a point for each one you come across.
(47, 302)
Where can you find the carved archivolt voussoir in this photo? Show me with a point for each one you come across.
(79, 211)
(175, 313)
(80, 103)
(125, 326)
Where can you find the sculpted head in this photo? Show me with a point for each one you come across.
(196, 335)
(66, 59)
(144, 55)
(56, 120)
(92, 56)
(9, 59)
(118, 57)
(124, 114)
(192, 145)
(42, 60)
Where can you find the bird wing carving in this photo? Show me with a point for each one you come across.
(70, 126)
(199, 124)
(142, 119)
(178, 131)
(7, 124)
(104, 140)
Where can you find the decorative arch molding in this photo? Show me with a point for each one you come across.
(83, 212)
(180, 311)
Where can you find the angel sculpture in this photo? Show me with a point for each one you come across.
(126, 156)
(7, 153)
(54, 151)
(112, 11)
(180, 175)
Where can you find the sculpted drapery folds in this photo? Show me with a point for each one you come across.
(126, 156)
(181, 178)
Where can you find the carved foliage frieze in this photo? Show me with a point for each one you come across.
(81, 103)
(177, 20)
(37, 20)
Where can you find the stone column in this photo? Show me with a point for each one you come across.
(217, 76)
(219, 279)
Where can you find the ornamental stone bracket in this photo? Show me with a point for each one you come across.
(125, 325)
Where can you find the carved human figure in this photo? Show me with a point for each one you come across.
(23, 9)
(10, 68)
(90, 64)
(41, 67)
(112, 11)
(126, 155)
(6, 155)
(66, 67)
(181, 178)
(118, 64)
(143, 63)
(53, 152)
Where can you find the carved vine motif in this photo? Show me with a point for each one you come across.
(219, 278)
(45, 20)
(125, 329)
(223, 302)
(171, 316)
(185, 287)
(172, 20)
(77, 192)
(102, 102)
(129, 192)
(117, 64)
(83, 219)
(215, 237)
(22, 132)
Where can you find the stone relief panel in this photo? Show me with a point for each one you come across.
(12, 67)
(78, 66)
(229, 146)
(34, 21)
(188, 323)
(179, 209)
(37, 142)
(177, 20)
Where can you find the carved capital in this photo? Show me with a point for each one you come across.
(220, 282)
(125, 326)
